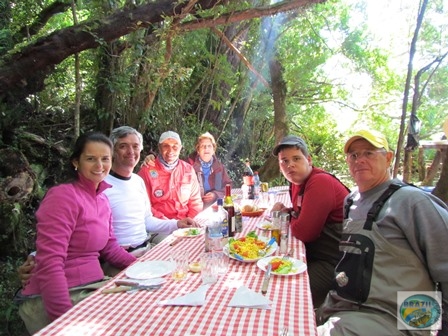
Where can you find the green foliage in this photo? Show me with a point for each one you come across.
(10, 322)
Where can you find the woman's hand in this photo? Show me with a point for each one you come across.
(139, 252)
(209, 198)
(24, 270)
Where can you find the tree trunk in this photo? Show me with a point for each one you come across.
(434, 168)
(78, 84)
(270, 169)
(412, 52)
(441, 189)
(407, 166)
(16, 187)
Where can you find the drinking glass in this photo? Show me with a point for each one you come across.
(222, 262)
(284, 232)
(180, 260)
(264, 195)
(272, 194)
(209, 268)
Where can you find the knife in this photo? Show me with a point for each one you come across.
(174, 242)
(119, 289)
(267, 276)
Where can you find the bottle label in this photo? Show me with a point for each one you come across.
(251, 193)
(225, 229)
(238, 222)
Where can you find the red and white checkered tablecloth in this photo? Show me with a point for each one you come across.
(138, 313)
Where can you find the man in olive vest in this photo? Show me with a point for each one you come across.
(394, 239)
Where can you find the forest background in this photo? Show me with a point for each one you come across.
(249, 72)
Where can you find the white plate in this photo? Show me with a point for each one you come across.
(150, 269)
(298, 266)
(265, 226)
(146, 282)
(184, 233)
(271, 251)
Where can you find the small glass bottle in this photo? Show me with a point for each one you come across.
(238, 220)
(248, 179)
(230, 208)
(223, 216)
(284, 232)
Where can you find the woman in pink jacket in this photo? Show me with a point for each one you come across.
(73, 231)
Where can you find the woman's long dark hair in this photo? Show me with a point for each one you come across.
(80, 144)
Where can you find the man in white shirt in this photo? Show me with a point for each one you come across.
(133, 222)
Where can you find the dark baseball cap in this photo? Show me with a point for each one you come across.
(290, 140)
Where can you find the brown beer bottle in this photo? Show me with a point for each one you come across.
(229, 206)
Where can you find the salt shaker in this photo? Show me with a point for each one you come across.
(275, 232)
(284, 232)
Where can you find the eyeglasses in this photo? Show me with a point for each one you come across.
(368, 154)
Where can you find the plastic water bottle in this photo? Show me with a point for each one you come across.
(257, 185)
(214, 234)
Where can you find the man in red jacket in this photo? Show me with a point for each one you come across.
(317, 199)
(172, 184)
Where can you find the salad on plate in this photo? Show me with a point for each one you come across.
(280, 266)
(188, 232)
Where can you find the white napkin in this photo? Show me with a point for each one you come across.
(245, 297)
(196, 298)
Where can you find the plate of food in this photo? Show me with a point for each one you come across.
(245, 249)
(188, 232)
(290, 266)
(149, 269)
(268, 226)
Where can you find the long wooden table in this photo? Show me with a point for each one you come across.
(139, 313)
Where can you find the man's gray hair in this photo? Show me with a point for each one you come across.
(123, 131)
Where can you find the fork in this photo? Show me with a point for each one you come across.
(284, 332)
(262, 252)
(287, 255)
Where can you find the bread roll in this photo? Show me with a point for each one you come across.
(249, 208)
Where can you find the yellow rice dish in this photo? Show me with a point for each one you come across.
(246, 247)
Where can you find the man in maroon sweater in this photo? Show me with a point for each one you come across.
(317, 199)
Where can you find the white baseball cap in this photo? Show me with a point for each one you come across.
(170, 135)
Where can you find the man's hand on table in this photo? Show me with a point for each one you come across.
(24, 270)
(279, 206)
(187, 223)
